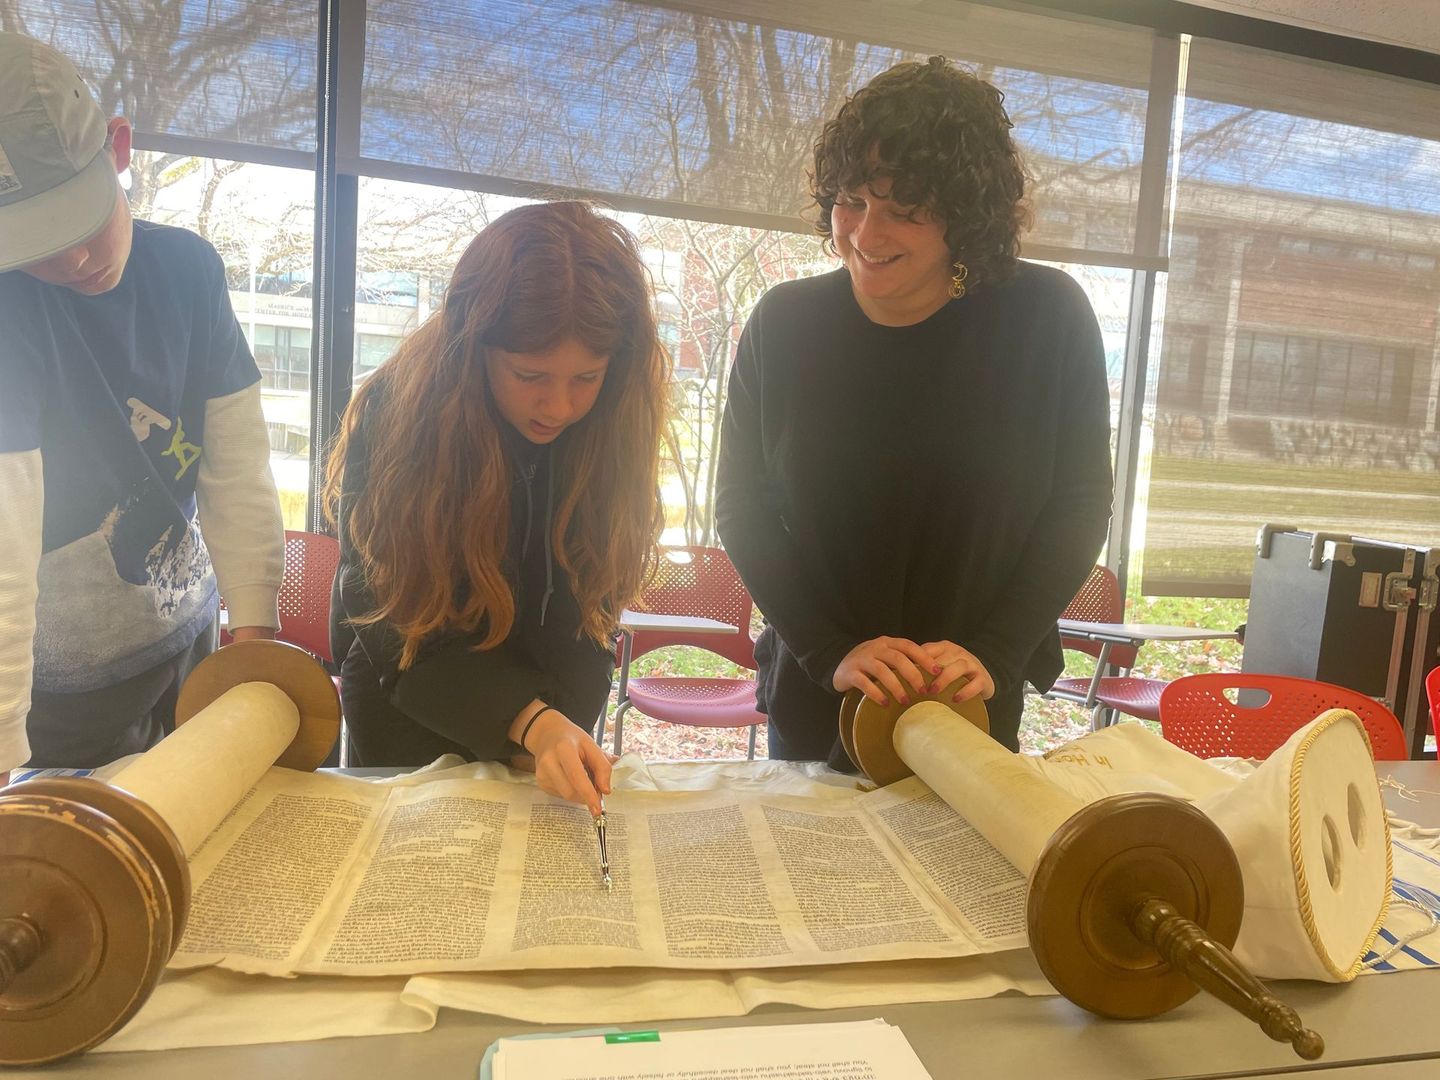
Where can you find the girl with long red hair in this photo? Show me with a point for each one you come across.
(495, 488)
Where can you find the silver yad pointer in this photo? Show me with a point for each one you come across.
(604, 852)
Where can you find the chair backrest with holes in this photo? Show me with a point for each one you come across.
(1197, 715)
(1099, 600)
(310, 561)
(699, 581)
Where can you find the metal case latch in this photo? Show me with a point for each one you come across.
(1430, 581)
(1399, 593)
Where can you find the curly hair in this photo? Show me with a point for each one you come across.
(942, 137)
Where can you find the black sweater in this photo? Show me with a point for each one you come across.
(943, 481)
(454, 698)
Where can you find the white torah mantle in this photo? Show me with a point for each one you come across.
(1312, 808)
(1308, 827)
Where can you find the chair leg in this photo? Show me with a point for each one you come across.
(620, 727)
(1097, 718)
(600, 725)
(753, 729)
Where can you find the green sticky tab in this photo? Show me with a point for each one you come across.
(632, 1036)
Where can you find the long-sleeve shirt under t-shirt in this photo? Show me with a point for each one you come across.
(129, 421)
(948, 480)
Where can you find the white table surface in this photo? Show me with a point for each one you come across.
(1138, 633)
(1380, 1027)
(686, 624)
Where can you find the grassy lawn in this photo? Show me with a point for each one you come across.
(1369, 481)
(1387, 504)
(1212, 563)
(1203, 515)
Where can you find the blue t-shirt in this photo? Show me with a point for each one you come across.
(111, 389)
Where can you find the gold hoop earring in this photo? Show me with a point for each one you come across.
(957, 283)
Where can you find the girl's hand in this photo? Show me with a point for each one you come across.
(953, 661)
(876, 668)
(567, 761)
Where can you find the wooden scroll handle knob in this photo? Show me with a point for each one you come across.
(1213, 968)
(20, 943)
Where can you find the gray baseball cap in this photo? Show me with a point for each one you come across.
(57, 179)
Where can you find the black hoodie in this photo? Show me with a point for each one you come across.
(454, 698)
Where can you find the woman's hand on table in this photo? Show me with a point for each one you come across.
(953, 662)
(568, 763)
(886, 669)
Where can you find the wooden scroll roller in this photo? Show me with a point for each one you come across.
(94, 882)
(1135, 900)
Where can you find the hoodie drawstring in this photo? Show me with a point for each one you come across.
(549, 519)
(529, 477)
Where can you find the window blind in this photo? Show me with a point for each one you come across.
(1299, 363)
(710, 110)
(191, 76)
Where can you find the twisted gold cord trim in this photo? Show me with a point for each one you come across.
(1297, 859)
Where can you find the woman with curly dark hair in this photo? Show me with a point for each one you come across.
(915, 469)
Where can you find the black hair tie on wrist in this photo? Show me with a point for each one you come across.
(531, 723)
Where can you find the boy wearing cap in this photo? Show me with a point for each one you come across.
(128, 401)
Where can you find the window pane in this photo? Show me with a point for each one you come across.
(233, 71)
(714, 109)
(410, 237)
(1313, 196)
(260, 219)
(707, 278)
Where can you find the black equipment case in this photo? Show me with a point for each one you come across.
(1341, 609)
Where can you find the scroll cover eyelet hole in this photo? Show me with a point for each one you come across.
(1330, 851)
(1357, 816)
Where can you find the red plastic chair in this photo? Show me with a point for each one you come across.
(1196, 715)
(1099, 600)
(310, 561)
(304, 602)
(1432, 691)
(697, 581)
